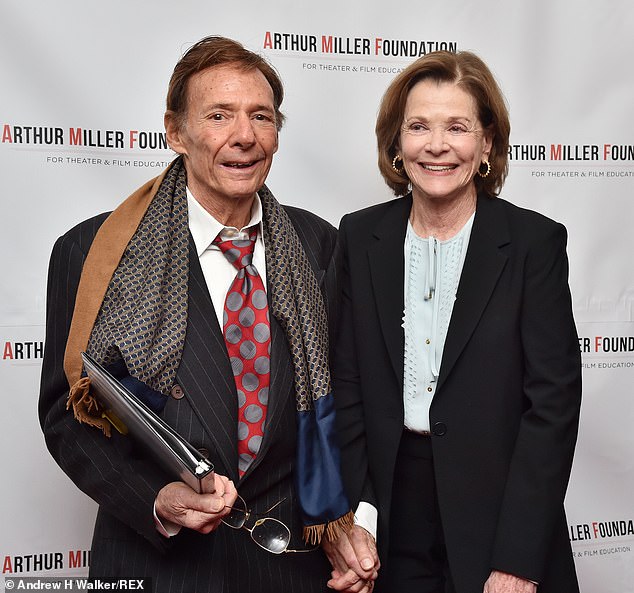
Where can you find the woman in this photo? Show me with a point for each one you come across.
(457, 367)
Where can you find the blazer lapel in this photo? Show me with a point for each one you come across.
(387, 269)
(482, 268)
(205, 372)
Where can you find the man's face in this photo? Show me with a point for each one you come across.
(228, 137)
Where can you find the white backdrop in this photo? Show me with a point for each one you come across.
(565, 67)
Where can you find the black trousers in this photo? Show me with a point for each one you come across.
(417, 559)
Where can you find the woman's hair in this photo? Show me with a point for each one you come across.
(472, 75)
(218, 51)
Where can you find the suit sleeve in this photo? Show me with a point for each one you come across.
(109, 470)
(348, 394)
(532, 507)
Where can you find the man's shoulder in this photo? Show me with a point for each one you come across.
(83, 233)
(312, 230)
(304, 218)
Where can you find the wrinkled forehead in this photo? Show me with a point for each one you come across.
(429, 98)
(231, 82)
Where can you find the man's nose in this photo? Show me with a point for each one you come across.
(242, 132)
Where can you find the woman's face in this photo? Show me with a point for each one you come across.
(442, 141)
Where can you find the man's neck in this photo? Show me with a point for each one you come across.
(234, 213)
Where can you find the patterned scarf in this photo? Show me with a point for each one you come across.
(132, 305)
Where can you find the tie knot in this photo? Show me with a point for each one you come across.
(238, 251)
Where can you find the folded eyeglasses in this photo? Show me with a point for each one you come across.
(267, 532)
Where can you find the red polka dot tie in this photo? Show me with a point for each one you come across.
(247, 333)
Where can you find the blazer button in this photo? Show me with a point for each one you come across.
(204, 452)
(439, 429)
(177, 392)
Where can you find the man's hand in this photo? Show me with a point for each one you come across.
(354, 560)
(178, 503)
(502, 582)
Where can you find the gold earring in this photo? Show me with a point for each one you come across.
(398, 169)
(487, 164)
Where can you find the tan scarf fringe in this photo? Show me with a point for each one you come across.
(313, 534)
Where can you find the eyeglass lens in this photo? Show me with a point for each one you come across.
(271, 534)
(238, 515)
(268, 533)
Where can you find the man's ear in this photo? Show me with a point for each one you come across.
(173, 132)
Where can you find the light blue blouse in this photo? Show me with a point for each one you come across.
(432, 273)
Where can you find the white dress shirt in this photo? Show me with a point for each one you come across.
(219, 273)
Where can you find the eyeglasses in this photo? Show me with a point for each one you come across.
(267, 532)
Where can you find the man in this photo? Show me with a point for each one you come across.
(212, 302)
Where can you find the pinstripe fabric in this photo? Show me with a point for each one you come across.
(125, 483)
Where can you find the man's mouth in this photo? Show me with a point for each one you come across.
(240, 165)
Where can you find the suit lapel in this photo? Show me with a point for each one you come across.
(205, 372)
(482, 268)
(387, 269)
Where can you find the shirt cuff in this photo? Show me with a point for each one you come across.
(165, 528)
(366, 516)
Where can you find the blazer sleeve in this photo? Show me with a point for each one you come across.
(532, 506)
(109, 470)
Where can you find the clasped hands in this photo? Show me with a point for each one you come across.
(354, 560)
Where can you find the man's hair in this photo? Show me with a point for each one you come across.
(472, 75)
(219, 51)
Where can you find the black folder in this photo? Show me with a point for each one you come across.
(132, 416)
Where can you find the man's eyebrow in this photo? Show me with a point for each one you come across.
(229, 106)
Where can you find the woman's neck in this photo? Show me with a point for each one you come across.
(441, 218)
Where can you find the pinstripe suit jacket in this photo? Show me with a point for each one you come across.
(125, 482)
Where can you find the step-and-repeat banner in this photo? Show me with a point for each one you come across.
(82, 88)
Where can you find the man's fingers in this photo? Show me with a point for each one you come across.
(364, 548)
(355, 561)
(229, 490)
(178, 503)
(348, 581)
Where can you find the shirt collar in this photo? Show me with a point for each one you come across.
(205, 228)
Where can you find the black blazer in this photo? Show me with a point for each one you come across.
(125, 482)
(505, 413)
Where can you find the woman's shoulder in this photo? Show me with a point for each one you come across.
(525, 229)
(521, 218)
